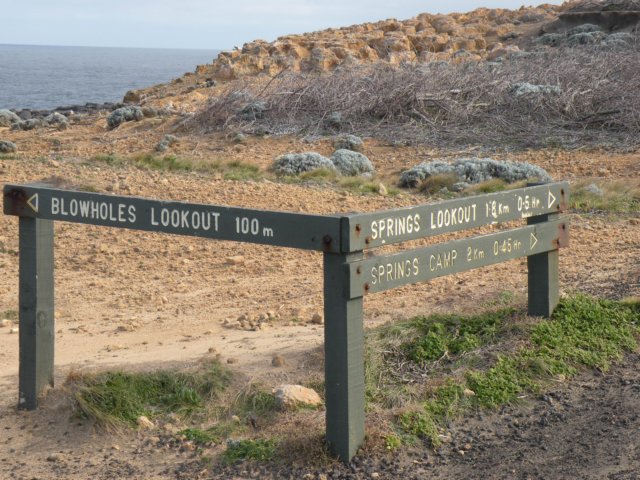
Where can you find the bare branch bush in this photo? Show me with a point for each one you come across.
(589, 96)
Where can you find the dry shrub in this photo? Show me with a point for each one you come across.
(596, 102)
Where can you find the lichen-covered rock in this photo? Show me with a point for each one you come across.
(297, 163)
(351, 163)
(7, 147)
(124, 114)
(348, 142)
(474, 170)
(525, 88)
(7, 118)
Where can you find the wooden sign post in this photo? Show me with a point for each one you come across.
(348, 275)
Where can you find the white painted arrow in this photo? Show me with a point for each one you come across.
(533, 241)
(33, 202)
(552, 199)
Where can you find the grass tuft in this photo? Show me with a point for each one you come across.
(260, 449)
(584, 332)
(115, 399)
(618, 196)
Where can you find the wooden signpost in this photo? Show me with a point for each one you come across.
(348, 275)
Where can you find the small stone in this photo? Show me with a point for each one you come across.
(212, 350)
(235, 260)
(291, 396)
(467, 446)
(144, 422)
(115, 446)
(14, 330)
(54, 457)
(322, 476)
(128, 327)
(317, 318)
(468, 392)
(6, 323)
(461, 453)
(375, 475)
(235, 419)
(382, 190)
(278, 361)
(232, 360)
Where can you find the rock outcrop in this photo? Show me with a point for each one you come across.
(483, 34)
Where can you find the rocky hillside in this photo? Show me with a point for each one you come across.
(483, 34)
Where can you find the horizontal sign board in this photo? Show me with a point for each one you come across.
(285, 229)
(385, 272)
(369, 230)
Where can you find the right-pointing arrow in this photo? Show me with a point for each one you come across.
(552, 199)
(533, 240)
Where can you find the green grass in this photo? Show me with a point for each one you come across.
(435, 183)
(10, 314)
(240, 171)
(260, 449)
(119, 398)
(234, 170)
(584, 332)
(618, 196)
(441, 335)
(201, 437)
(323, 176)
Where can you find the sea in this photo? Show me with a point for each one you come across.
(46, 77)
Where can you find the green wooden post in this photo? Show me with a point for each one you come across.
(344, 358)
(543, 276)
(36, 315)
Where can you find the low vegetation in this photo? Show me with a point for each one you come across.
(618, 196)
(575, 97)
(119, 398)
(230, 170)
(489, 360)
(421, 374)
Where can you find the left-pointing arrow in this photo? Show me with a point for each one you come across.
(33, 202)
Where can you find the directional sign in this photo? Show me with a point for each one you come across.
(286, 229)
(367, 230)
(382, 273)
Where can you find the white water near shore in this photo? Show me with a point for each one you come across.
(46, 77)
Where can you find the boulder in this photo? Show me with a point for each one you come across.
(8, 118)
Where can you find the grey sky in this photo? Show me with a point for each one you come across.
(199, 23)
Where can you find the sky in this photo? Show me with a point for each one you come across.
(203, 24)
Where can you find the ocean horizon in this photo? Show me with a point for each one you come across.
(44, 77)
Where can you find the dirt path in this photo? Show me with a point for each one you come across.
(144, 300)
